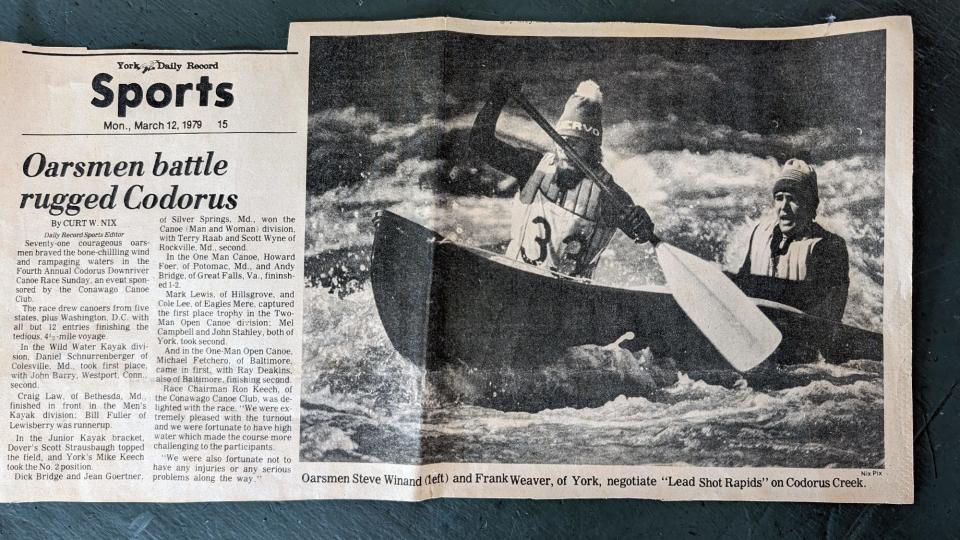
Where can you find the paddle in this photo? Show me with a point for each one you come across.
(727, 317)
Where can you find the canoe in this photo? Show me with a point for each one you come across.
(443, 303)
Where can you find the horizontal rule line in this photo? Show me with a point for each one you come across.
(214, 53)
(159, 133)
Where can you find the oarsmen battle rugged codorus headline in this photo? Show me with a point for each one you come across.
(37, 165)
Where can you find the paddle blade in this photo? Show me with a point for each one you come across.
(728, 318)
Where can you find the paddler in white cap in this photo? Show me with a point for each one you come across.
(792, 259)
(561, 220)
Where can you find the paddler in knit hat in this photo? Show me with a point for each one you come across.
(561, 220)
(792, 259)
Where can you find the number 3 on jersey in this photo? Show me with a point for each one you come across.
(543, 242)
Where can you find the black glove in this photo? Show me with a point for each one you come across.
(568, 176)
(636, 223)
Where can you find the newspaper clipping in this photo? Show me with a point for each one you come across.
(452, 258)
(152, 245)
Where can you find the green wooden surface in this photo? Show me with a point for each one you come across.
(249, 24)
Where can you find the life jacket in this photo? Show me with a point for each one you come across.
(791, 262)
(559, 229)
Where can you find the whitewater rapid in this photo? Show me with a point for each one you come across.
(362, 401)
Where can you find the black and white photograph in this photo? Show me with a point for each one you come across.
(595, 250)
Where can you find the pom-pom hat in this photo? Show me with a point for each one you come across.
(799, 178)
(582, 115)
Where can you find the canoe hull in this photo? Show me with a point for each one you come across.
(441, 303)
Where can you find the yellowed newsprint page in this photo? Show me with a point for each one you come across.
(600, 260)
(153, 211)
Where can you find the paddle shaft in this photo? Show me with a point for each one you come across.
(599, 179)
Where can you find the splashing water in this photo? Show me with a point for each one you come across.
(362, 401)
